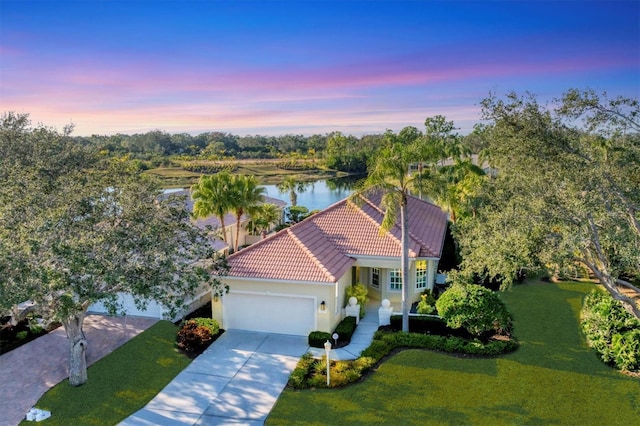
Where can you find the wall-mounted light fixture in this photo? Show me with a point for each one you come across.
(323, 306)
(216, 297)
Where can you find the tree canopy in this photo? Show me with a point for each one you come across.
(566, 192)
(75, 230)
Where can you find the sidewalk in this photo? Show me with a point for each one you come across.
(33, 368)
(360, 340)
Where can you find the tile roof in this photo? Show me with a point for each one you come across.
(324, 246)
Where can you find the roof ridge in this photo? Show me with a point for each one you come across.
(379, 225)
(420, 241)
(309, 253)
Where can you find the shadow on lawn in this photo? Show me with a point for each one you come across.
(546, 322)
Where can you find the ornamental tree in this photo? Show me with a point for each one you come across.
(75, 230)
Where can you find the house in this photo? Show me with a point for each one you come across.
(203, 294)
(212, 223)
(294, 281)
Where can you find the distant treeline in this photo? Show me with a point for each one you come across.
(156, 148)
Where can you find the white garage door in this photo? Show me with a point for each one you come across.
(269, 313)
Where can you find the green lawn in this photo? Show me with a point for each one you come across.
(120, 383)
(554, 378)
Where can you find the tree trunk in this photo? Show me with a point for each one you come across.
(611, 285)
(293, 197)
(236, 243)
(628, 303)
(77, 349)
(224, 230)
(404, 264)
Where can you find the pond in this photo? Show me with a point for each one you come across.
(319, 194)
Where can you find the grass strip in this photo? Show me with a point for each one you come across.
(120, 383)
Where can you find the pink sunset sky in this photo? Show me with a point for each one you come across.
(302, 67)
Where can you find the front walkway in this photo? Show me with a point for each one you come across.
(361, 338)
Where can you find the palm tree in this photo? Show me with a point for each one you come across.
(292, 185)
(389, 176)
(212, 197)
(246, 197)
(263, 217)
(452, 187)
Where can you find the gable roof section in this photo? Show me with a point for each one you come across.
(303, 254)
(324, 246)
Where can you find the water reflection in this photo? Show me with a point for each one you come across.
(319, 194)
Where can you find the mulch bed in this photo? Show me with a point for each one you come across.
(12, 337)
(203, 312)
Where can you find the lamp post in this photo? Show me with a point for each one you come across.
(327, 349)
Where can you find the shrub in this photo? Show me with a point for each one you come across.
(427, 303)
(346, 328)
(611, 331)
(317, 339)
(475, 308)
(359, 291)
(197, 333)
(427, 325)
(626, 350)
(298, 377)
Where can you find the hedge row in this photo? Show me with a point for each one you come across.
(209, 169)
(344, 329)
(311, 373)
(295, 165)
(428, 325)
(611, 331)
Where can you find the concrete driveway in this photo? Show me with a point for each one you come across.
(237, 380)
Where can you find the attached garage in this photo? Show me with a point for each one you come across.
(271, 313)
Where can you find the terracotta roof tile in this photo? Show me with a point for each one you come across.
(323, 247)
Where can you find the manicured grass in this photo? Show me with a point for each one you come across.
(119, 384)
(554, 378)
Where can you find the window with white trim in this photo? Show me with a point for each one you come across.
(421, 274)
(375, 277)
(395, 279)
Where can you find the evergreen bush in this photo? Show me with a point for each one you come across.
(317, 339)
(359, 291)
(475, 308)
(611, 331)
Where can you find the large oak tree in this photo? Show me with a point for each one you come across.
(75, 230)
(566, 193)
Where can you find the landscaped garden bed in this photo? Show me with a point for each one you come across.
(474, 322)
(197, 332)
(344, 330)
(14, 336)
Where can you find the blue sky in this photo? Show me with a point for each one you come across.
(303, 67)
